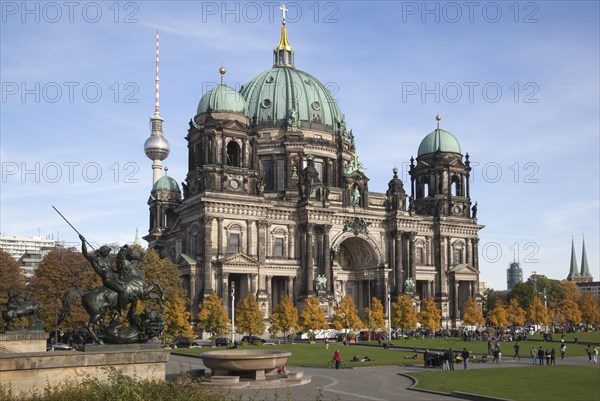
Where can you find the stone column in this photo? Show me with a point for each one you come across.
(207, 260)
(225, 290)
(291, 242)
(290, 287)
(244, 153)
(249, 238)
(455, 300)
(262, 241)
(310, 274)
(327, 259)
(254, 283)
(398, 262)
(269, 287)
(413, 268)
(220, 237)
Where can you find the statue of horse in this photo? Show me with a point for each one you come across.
(19, 305)
(102, 300)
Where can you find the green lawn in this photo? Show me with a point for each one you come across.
(316, 355)
(520, 384)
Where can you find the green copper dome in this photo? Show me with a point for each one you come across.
(222, 98)
(274, 93)
(166, 184)
(439, 140)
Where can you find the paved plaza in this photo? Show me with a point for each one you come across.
(378, 383)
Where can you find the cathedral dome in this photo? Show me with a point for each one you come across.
(274, 93)
(222, 98)
(166, 184)
(439, 140)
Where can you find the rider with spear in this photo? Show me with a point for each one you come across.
(109, 277)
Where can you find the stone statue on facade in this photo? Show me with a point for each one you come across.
(310, 178)
(474, 211)
(292, 121)
(355, 197)
(321, 284)
(409, 286)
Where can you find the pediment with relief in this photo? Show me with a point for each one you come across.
(240, 260)
(235, 125)
(463, 269)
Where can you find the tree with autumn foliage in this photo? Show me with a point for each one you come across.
(62, 270)
(472, 313)
(284, 317)
(498, 317)
(165, 272)
(212, 317)
(404, 316)
(515, 315)
(248, 316)
(537, 312)
(312, 316)
(374, 318)
(589, 306)
(430, 316)
(345, 315)
(12, 276)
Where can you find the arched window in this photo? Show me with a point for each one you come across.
(455, 186)
(233, 154)
(234, 239)
(425, 190)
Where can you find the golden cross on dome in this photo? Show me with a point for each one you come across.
(283, 11)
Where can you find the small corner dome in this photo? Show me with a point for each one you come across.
(166, 184)
(439, 140)
(222, 98)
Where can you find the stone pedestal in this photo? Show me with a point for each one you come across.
(34, 371)
(22, 341)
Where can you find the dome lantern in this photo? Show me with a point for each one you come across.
(283, 54)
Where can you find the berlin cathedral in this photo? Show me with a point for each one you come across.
(276, 202)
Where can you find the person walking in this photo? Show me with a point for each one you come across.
(547, 357)
(595, 355)
(337, 358)
(563, 349)
(533, 354)
(588, 351)
(553, 356)
(516, 348)
(465, 356)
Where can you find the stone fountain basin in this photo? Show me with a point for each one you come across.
(242, 360)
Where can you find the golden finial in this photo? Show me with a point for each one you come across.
(222, 71)
(438, 118)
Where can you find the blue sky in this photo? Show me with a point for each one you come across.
(516, 82)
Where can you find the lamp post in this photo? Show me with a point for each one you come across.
(369, 275)
(233, 311)
(534, 306)
(389, 308)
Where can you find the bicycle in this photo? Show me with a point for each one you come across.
(331, 364)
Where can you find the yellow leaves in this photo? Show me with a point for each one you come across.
(312, 316)
(515, 315)
(285, 316)
(472, 313)
(346, 316)
(404, 316)
(177, 318)
(12, 276)
(498, 317)
(590, 308)
(430, 316)
(212, 317)
(375, 317)
(248, 316)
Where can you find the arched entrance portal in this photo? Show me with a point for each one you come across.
(358, 271)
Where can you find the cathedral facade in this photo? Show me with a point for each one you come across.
(276, 202)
